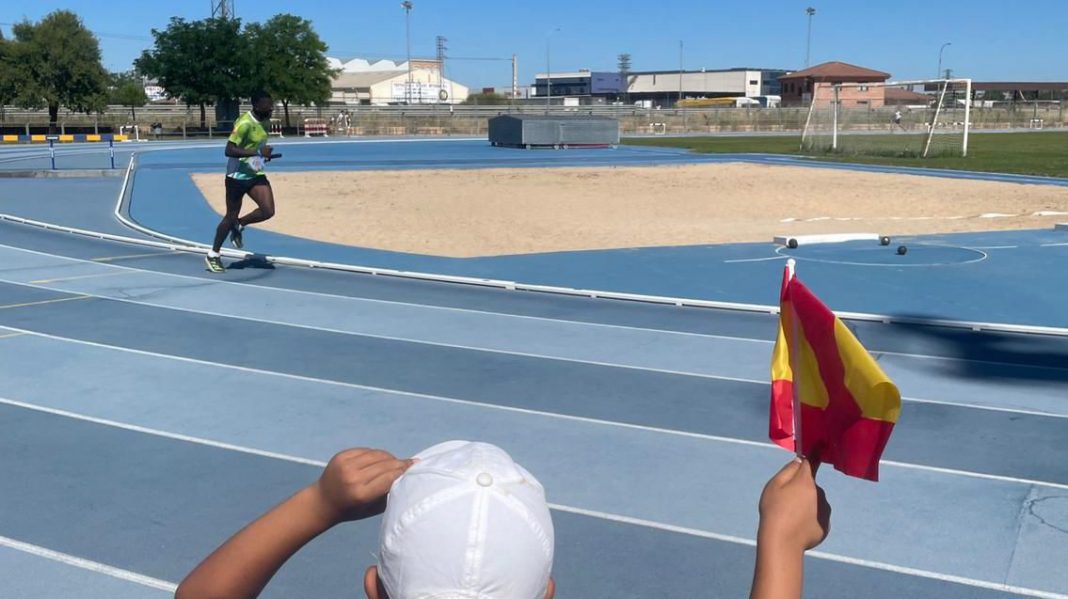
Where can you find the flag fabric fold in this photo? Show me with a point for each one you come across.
(848, 406)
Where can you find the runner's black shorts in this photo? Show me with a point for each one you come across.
(237, 188)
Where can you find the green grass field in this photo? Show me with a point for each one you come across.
(1037, 153)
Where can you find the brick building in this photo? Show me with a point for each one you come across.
(799, 88)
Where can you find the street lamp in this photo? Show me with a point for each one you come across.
(808, 43)
(407, 6)
(548, 69)
(940, 50)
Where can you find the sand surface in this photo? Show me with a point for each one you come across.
(485, 212)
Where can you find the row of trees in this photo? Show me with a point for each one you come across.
(56, 62)
(214, 60)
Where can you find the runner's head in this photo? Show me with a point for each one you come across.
(262, 105)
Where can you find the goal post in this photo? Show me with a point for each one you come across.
(921, 118)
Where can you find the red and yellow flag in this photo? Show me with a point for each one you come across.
(848, 405)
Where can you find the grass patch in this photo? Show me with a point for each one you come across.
(1037, 153)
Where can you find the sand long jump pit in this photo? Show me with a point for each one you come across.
(500, 211)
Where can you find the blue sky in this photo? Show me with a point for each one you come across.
(992, 39)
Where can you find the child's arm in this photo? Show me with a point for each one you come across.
(353, 486)
(794, 517)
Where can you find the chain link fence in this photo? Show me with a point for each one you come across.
(443, 119)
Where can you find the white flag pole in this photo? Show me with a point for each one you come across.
(794, 349)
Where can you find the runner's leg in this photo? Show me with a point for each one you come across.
(263, 195)
(235, 191)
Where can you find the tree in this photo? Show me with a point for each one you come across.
(624, 73)
(127, 89)
(58, 64)
(290, 62)
(200, 61)
(486, 98)
(8, 85)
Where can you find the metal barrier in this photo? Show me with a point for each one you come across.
(52, 139)
(67, 138)
(316, 128)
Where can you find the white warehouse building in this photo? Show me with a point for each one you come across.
(661, 88)
(385, 82)
(741, 82)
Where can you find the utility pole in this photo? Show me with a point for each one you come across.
(515, 78)
(407, 6)
(624, 73)
(441, 63)
(223, 9)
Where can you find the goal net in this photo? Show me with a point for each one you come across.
(898, 118)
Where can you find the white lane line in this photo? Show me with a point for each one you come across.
(157, 432)
(1053, 245)
(572, 322)
(519, 353)
(527, 411)
(716, 377)
(754, 260)
(85, 564)
(79, 277)
(133, 256)
(995, 247)
(287, 290)
(43, 302)
(954, 404)
(576, 323)
(474, 348)
(608, 516)
(833, 557)
(879, 352)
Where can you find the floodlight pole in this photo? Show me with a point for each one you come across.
(679, 103)
(407, 6)
(808, 43)
(940, 50)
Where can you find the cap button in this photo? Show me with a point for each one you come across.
(484, 479)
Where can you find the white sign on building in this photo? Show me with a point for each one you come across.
(155, 93)
(421, 93)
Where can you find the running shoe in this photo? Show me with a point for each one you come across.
(235, 237)
(215, 263)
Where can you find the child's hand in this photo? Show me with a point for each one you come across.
(794, 512)
(266, 150)
(355, 482)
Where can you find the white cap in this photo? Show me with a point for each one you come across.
(466, 522)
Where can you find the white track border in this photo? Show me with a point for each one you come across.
(168, 242)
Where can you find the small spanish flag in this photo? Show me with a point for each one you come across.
(847, 404)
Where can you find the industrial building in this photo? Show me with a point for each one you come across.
(385, 82)
(658, 88)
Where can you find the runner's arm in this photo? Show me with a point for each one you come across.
(233, 151)
(238, 136)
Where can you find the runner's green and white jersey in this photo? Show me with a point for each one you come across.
(248, 134)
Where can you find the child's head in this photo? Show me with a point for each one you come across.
(464, 521)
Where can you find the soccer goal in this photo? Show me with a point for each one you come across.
(924, 118)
